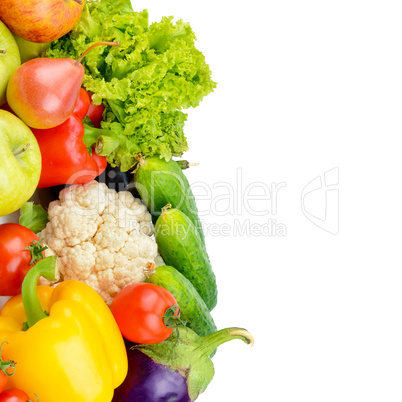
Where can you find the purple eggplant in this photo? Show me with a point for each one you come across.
(148, 381)
(176, 370)
(117, 180)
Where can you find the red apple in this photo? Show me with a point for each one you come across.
(40, 21)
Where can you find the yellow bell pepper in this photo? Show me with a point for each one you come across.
(66, 343)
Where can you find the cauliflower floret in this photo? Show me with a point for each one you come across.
(69, 228)
(102, 238)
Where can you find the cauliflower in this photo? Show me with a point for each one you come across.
(101, 237)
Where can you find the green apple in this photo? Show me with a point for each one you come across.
(9, 59)
(30, 50)
(20, 163)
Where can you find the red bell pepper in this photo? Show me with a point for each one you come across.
(65, 158)
(83, 104)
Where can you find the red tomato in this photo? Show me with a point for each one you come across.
(139, 309)
(14, 395)
(95, 113)
(14, 259)
(82, 105)
(3, 380)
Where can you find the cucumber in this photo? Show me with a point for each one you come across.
(160, 183)
(181, 246)
(192, 307)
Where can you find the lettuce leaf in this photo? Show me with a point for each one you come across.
(145, 83)
(33, 216)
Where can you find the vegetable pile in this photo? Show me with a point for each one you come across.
(108, 280)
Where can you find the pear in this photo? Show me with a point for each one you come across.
(9, 59)
(43, 92)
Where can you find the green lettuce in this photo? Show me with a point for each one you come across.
(33, 216)
(144, 84)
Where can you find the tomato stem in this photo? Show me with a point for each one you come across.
(23, 149)
(33, 310)
(172, 319)
(4, 365)
(36, 250)
(77, 63)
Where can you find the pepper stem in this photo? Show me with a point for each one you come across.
(210, 342)
(95, 45)
(106, 145)
(33, 310)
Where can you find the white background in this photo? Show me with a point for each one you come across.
(304, 87)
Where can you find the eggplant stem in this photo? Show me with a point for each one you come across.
(244, 335)
(210, 342)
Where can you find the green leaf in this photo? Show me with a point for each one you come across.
(33, 217)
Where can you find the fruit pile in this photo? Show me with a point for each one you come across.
(110, 285)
